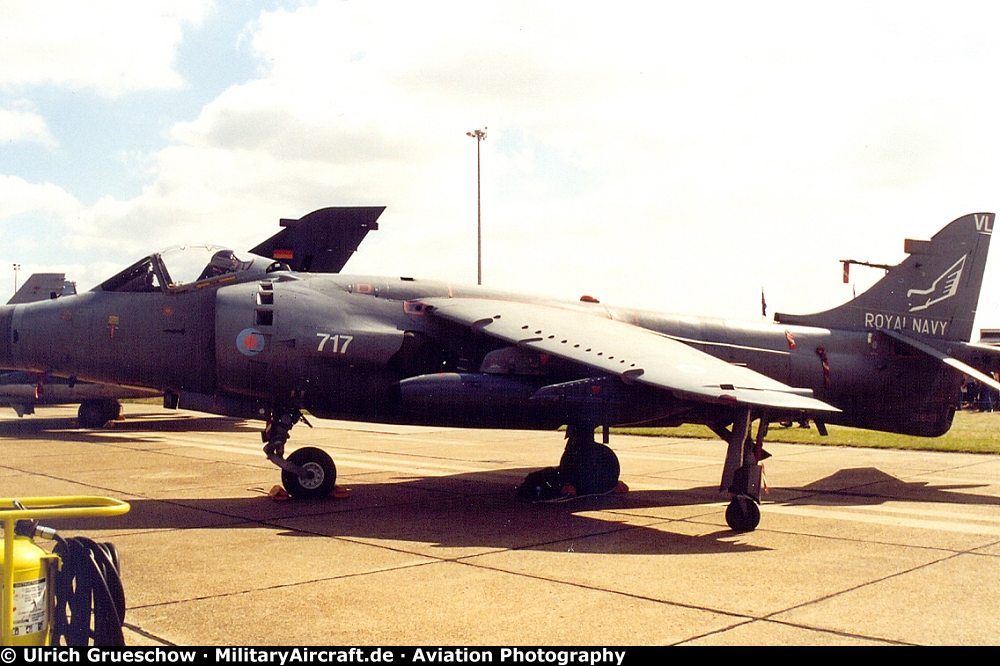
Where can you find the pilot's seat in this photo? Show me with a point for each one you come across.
(222, 262)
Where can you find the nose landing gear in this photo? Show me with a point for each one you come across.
(307, 473)
(316, 475)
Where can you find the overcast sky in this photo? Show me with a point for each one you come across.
(678, 156)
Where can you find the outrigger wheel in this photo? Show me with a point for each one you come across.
(742, 514)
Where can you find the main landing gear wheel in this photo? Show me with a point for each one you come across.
(95, 413)
(742, 514)
(586, 468)
(591, 468)
(318, 478)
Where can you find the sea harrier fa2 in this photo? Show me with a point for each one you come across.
(22, 391)
(276, 331)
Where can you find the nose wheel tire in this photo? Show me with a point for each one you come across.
(319, 474)
(742, 514)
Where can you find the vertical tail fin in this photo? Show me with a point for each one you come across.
(42, 287)
(932, 294)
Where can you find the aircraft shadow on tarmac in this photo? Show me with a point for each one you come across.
(494, 522)
(866, 486)
(478, 509)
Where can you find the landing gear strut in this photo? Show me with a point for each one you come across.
(586, 468)
(741, 475)
(308, 472)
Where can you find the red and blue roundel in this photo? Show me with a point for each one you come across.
(250, 342)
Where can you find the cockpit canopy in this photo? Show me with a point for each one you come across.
(178, 266)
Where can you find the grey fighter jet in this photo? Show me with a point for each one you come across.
(277, 331)
(22, 391)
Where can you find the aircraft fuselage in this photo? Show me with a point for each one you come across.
(365, 348)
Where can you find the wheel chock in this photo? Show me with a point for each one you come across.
(279, 494)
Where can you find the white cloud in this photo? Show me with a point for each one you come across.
(18, 196)
(678, 160)
(17, 126)
(109, 46)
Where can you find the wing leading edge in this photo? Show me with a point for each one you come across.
(632, 353)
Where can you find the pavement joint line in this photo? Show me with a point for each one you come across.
(975, 551)
(456, 495)
(770, 617)
(281, 586)
(198, 443)
(868, 583)
(828, 537)
(145, 634)
(81, 483)
(857, 491)
(622, 528)
(806, 494)
(831, 512)
(461, 559)
(620, 593)
(794, 625)
(714, 632)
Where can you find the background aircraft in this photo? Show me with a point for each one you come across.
(22, 391)
(246, 335)
(99, 403)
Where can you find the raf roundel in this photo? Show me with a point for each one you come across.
(250, 342)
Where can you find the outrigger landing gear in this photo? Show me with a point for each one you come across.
(742, 475)
(308, 472)
(742, 514)
(586, 468)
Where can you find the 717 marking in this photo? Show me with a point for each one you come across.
(339, 342)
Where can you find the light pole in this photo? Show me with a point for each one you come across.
(17, 267)
(479, 136)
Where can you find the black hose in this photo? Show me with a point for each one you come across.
(88, 587)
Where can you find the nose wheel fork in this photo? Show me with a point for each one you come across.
(308, 472)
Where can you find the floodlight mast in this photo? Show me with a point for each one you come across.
(479, 136)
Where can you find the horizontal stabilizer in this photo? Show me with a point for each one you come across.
(944, 358)
(323, 240)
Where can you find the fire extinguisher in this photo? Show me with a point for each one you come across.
(71, 596)
(34, 572)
